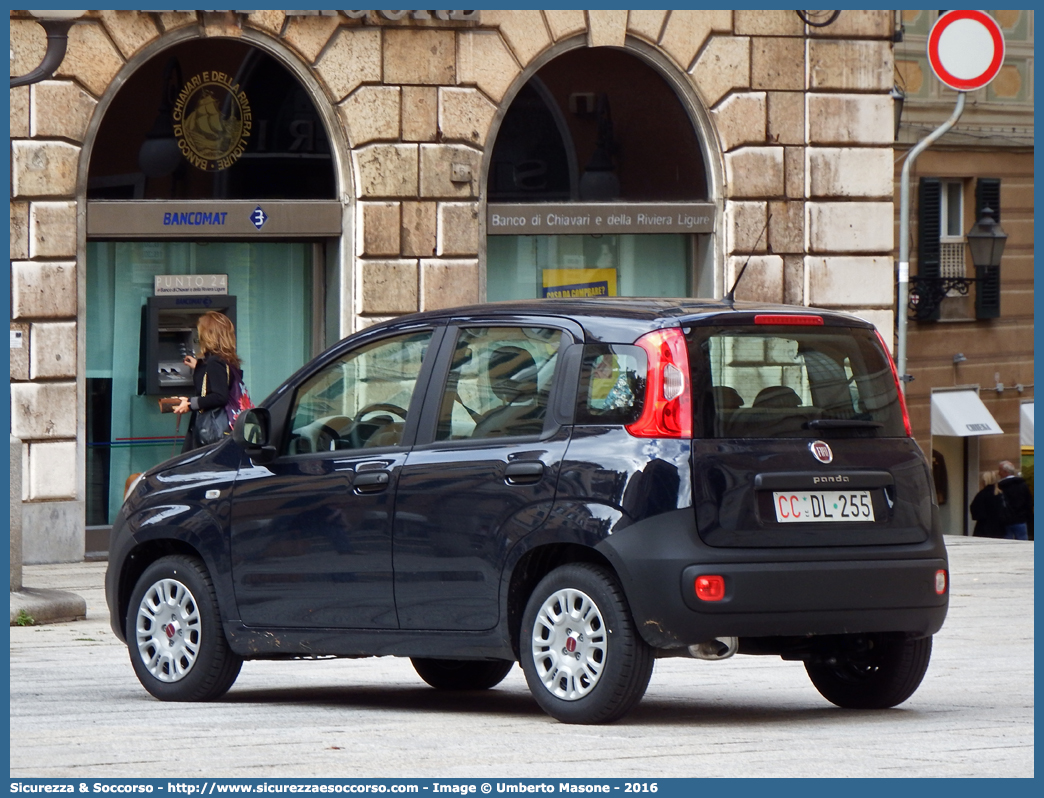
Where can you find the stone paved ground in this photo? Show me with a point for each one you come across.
(78, 711)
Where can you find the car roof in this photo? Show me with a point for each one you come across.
(602, 316)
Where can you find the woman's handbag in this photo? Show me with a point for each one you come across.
(212, 425)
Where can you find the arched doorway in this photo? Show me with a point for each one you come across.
(212, 184)
(598, 185)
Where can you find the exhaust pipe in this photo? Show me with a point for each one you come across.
(718, 648)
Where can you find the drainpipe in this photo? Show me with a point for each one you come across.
(904, 236)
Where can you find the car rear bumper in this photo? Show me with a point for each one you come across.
(772, 592)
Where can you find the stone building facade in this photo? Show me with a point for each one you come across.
(988, 348)
(790, 126)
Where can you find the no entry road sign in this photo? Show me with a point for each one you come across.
(966, 49)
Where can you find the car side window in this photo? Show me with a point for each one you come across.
(499, 382)
(359, 400)
(612, 384)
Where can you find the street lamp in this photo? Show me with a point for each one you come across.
(56, 24)
(986, 242)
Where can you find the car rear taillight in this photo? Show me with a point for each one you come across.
(710, 587)
(667, 410)
(793, 319)
(898, 385)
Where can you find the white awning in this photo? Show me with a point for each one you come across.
(1026, 424)
(961, 413)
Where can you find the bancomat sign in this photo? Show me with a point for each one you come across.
(199, 219)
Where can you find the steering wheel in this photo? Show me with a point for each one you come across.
(357, 435)
(380, 407)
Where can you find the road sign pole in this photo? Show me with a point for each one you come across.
(965, 51)
(904, 236)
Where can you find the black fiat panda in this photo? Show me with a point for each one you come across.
(580, 486)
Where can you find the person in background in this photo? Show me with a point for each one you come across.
(986, 509)
(1018, 502)
(217, 364)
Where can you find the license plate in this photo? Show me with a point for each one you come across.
(829, 505)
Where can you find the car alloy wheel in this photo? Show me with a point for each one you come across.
(174, 634)
(569, 644)
(873, 672)
(167, 630)
(462, 674)
(581, 654)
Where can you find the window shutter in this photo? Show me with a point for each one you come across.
(987, 195)
(929, 228)
(988, 289)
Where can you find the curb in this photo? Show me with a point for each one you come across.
(47, 606)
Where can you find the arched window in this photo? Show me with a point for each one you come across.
(210, 119)
(595, 171)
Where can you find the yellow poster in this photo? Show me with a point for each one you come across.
(574, 283)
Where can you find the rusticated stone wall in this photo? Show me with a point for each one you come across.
(802, 143)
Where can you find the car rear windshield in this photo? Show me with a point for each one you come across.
(772, 381)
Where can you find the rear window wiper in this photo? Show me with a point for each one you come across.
(843, 423)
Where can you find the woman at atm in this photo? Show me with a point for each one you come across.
(214, 372)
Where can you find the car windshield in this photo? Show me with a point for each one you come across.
(785, 381)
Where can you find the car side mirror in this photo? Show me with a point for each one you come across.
(252, 432)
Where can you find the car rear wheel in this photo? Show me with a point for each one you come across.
(174, 635)
(582, 656)
(875, 672)
(462, 674)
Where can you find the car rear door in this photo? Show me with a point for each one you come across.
(483, 472)
(801, 437)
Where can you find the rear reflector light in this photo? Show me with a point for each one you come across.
(898, 385)
(667, 410)
(788, 318)
(710, 588)
(673, 382)
(940, 582)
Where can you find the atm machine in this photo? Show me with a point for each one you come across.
(170, 335)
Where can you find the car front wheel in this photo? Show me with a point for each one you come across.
(462, 674)
(177, 646)
(872, 672)
(582, 656)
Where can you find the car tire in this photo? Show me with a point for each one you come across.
(174, 635)
(462, 674)
(582, 656)
(884, 672)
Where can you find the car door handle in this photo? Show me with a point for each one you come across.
(524, 473)
(371, 482)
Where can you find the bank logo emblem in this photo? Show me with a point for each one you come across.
(258, 217)
(212, 121)
(821, 451)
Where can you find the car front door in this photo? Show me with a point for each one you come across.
(312, 530)
(482, 475)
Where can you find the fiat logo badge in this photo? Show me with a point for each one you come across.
(821, 451)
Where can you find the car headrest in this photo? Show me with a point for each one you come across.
(512, 373)
(777, 396)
